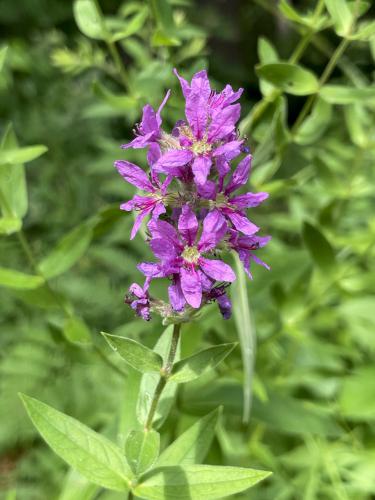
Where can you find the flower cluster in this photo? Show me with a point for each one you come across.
(190, 197)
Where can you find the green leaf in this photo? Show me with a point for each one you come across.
(76, 331)
(68, 250)
(20, 281)
(364, 32)
(142, 449)
(357, 398)
(119, 102)
(192, 446)
(358, 123)
(150, 380)
(267, 54)
(9, 225)
(77, 487)
(89, 20)
(3, 54)
(319, 247)
(245, 326)
(309, 20)
(197, 482)
(13, 191)
(132, 26)
(21, 155)
(341, 15)
(92, 455)
(340, 94)
(291, 78)
(161, 39)
(166, 33)
(135, 354)
(200, 363)
(315, 125)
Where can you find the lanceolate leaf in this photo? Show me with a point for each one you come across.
(91, 454)
(192, 446)
(291, 78)
(340, 94)
(9, 225)
(13, 191)
(20, 281)
(318, 246)
(193, 367)
(341, 16)
(135, 354)
(21, 155)
(316, 124)
(142, 449)
(197, 482)
(68, 250)
(246, 333)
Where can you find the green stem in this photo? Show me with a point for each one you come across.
(263, 105)
(325, 75)
(165, 373)
(113, 49)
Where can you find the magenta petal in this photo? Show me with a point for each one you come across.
(214, 229)
(135, 175)
(196, 111)
(242, 223)
(164, 231)
(172, 159)
(223, 122)
(158, 118)
(201, 168)
(184, 84)
(240, 175)
(191, 287)
(225, 305)
(128, 205)
(140, 142)
(138, 221)
(244, 256)
(230, 150)
(149, 121)
(207, 190)
(217, 269)
(153, 153)
(176, 296)
(151, 269)
(163, 250)
(188, 225)
(200, 84)
(248, 200)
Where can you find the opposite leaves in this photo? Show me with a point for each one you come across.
(91, 454)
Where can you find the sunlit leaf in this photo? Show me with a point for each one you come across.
(91, 454)
(9, 225)
(341, 15)
(192, 446)
(340, 94)
(315, 125)
(137, 355)
(197, 482)
(196, 365)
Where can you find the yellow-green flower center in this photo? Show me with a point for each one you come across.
(201, 147)
(191, 255)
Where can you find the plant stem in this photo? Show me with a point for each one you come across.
(325, 75)
(165, 373)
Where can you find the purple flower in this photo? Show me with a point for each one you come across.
(209, 132)
(233, 207)
(149, 130)
(245, 245)
(181, 256)
(139, 299)
(151, 203)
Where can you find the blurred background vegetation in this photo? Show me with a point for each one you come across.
(76, 83)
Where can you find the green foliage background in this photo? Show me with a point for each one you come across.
(306, 410)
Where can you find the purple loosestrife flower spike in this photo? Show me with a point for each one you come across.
(194, 215)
